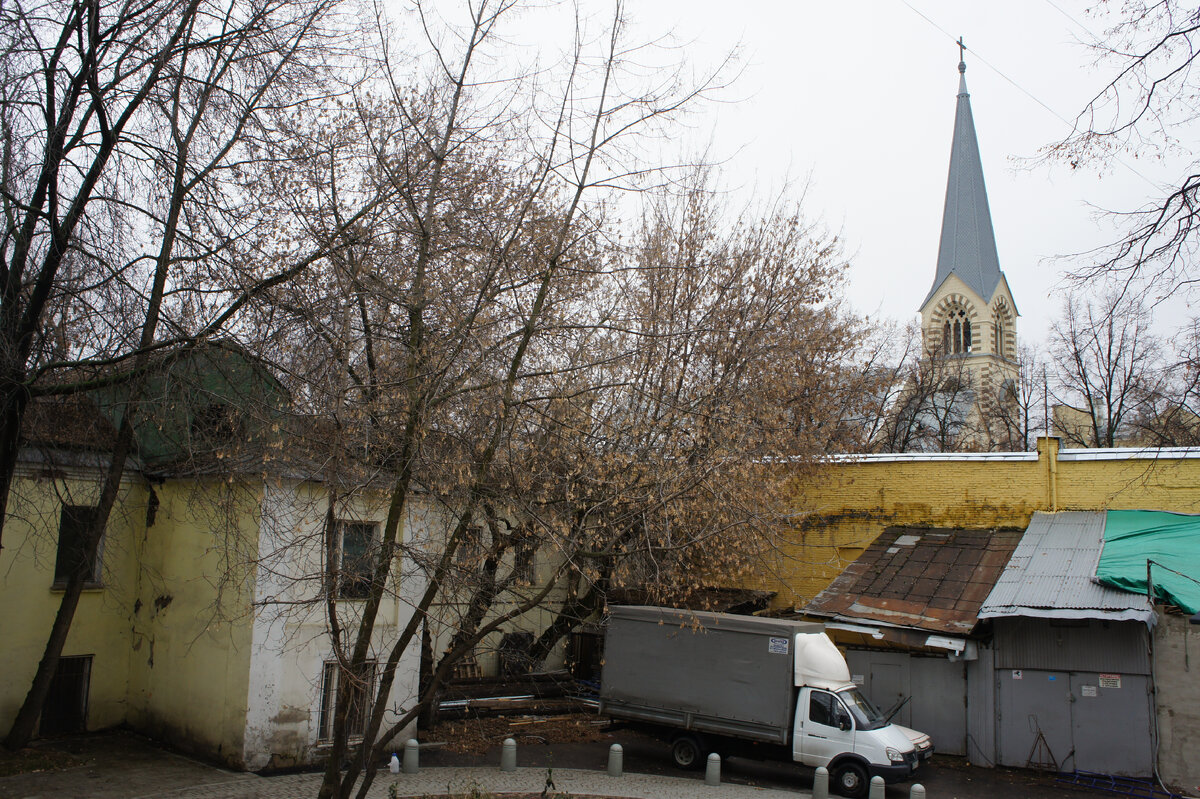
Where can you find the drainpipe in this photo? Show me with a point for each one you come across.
(1047, 447)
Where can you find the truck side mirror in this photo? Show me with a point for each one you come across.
(843, 722)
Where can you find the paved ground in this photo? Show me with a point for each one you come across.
(125, 766)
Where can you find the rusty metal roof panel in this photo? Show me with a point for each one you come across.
(1052, 574)
(929, 578)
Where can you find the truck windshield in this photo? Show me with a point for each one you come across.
(866, 716)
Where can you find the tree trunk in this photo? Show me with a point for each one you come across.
(16, 399)
(570, 616)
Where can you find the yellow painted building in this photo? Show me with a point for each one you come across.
(101, 639)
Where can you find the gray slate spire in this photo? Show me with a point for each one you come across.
(968, 245)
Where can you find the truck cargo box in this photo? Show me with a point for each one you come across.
(709, 672)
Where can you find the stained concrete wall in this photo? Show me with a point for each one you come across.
(291, 639)
(192, 626)
(1177, 677)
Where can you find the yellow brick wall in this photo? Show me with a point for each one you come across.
(842, 508)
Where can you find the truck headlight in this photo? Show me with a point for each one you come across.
(894, 755)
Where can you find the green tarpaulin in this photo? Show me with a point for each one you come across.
(1171, 540)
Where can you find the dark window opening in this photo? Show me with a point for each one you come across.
(361, 692)
(356, 548)
(956, 333)
(73, 530)
(66, 705)
(525, 567)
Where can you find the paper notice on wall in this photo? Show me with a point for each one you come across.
(1110, 680)
(1017, 674)
(1087, 690)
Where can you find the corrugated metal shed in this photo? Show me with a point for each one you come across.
(1052, 574)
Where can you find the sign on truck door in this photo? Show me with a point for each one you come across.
(819, 736)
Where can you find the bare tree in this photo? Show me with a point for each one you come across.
(934, 407)
(1146, 109)
(421, 335)
(717, 353)
(103, 103)
(1107, 361)
(1011, 414)
(1169, 415)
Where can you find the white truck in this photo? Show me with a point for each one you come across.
(752, 686)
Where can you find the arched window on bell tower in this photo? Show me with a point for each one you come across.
(956, 333)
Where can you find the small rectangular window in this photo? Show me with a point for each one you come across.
(525, 567)
(356, 548)
(362, 691)
(73, 527)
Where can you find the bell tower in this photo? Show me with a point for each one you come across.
(968, 318)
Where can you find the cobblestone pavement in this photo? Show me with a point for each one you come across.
(125, 766)
(574, 782)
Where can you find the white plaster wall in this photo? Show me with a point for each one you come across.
(291, 635)
(1177, 677)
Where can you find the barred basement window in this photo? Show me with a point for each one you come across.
(362, 691)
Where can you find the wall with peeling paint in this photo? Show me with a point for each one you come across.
(192, 628)
(291, 639)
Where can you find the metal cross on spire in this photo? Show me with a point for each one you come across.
(962, 49)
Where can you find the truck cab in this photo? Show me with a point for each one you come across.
(841, 730)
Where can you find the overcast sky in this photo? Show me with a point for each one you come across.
(860, 97)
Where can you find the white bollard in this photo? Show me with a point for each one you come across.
(821, 783)
(508, 755)
(877, 788)
(616, 760)
(412, 756)
(712, 772)
(916, 792)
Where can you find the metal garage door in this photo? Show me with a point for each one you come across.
(1089, 721)
(937, 686)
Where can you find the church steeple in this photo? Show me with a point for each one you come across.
(968, 244)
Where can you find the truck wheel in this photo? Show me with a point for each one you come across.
(850, 779)
(685, 751)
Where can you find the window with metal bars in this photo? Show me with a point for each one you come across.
(361, 692)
